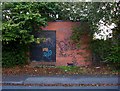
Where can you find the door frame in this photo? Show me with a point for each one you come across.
(42, 62)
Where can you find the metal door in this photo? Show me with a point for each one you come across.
(46, 50)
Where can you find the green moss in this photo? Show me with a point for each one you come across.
(68, 68)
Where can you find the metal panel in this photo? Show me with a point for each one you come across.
(46, 50)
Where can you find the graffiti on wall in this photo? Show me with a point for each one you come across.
(50, 43)
(47, 54)
(69, 49)
(65, 46)
(45, 51)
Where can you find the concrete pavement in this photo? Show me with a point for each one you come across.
(71, 80)
(76, 79)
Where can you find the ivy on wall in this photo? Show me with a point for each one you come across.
(21, 19)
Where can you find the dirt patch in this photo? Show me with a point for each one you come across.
(47, 71)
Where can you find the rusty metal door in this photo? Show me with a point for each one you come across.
(44, 51)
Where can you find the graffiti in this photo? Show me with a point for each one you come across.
(47, 54)
(66, 49)
(66, 45)
(63, 46)
(49, 42)
(45, 49)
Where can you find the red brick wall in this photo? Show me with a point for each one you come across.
(66, 51)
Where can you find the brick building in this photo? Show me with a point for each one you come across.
(58, 48)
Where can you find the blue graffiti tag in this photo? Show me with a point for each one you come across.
(47, 54)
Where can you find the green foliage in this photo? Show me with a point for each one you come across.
(92, 13)
(21, 19)
(107, 51)
(113, 56)
(89, 11)
(13, 55)
(101, 48)
(68, 68)
(78, 32)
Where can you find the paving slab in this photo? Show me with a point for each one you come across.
(75, 79)
(71, 80)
